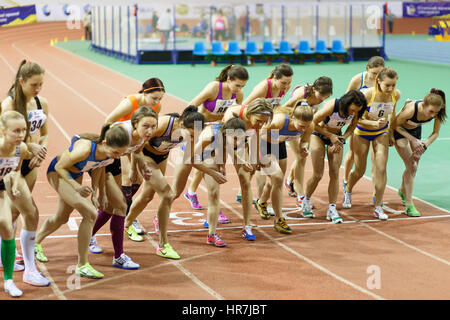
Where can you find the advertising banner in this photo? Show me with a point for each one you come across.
(17, 15)
(425, 9)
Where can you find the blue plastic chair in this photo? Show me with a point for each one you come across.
(233, 48)
(321, 47)
(199, 49)
(251, 49)
(304, 48)
(268, 48)
(337, 47)
(285, 48)
(217, 49)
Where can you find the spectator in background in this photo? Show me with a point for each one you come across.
(390, 20)
(154, 22)
(232, 20)
(220, 25)
(242, 22)
(87, 20)
(165, 26)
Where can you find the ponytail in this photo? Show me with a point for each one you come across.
(115, 136)
(281, 70)
(26, 70)
(189, 117)
(233, 72)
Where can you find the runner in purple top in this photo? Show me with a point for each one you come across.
(214, 100)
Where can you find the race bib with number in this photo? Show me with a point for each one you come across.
(36, 118)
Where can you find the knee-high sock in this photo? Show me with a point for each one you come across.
(129, 192)
(27, 239)
(117, 227)
(8, 257)
(102, 218)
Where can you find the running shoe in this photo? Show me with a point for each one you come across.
(94, 247)
(379, 213)
(39, 253)
(137, 226)
(35, 278)
(307, 209)
(205, 224)
(124, 262)
(333, 215)
(19, 258)
(300, 202)
(248, 234)
(132, 234)
(411, 211)
(88, 271)
(193, 200)
(17, 267)
(281, 226)
(238, 198)
(262, 210)
(347, 204)
(11, 288)
(290, 188)
(402, 195)
(222, 218)
(167, 252)
(215, 240)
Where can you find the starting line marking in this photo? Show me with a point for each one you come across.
(269, 225)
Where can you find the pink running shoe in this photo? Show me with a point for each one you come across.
(222, 218)
(215, 240)
(155, 223)
(193, 200)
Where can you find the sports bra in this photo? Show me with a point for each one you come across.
(132, 98)
(90, 162)
(274, 101)
(36, 117)
(335, 121)
(219, 106)
(164, 143)
(284, 134)
(413, 121)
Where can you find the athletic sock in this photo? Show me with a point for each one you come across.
(8, 257)
(102, 218)
(191, 193)
(117, 227)
(27, 240)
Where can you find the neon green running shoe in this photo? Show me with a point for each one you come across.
(167, 252)
(39, 253)
(411, 211)
(88, 271)
(402, 195)
(133, 235)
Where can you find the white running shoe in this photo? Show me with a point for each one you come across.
(138, 227)
(17, 267)
(333, 215)
(347, 204)
(94, 247)
(124, 262)
(35, 278)
(307, 209)
(11, 288)
(379, 213)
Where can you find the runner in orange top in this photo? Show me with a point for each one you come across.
(150, 95)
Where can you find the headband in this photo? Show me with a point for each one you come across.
(151, 88)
